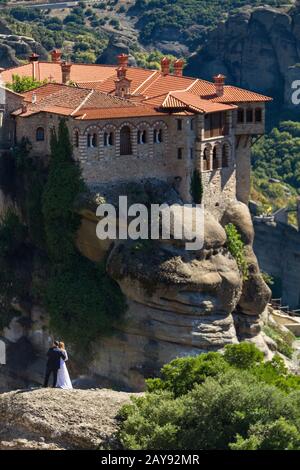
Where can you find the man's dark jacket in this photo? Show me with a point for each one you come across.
(54, 356)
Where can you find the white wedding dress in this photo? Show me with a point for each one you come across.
(63, 378)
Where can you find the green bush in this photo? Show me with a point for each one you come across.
(235, 401)
(196, 187)
(283, 340)
(236, 248)
(80, 297)
(182, 374)
(83, 302)
(243, 356)
(22, 84)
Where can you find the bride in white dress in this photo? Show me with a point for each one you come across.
(63, 378)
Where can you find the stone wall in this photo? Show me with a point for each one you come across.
(9, 101)
(101, 163)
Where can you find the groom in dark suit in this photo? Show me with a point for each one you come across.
(53, 364)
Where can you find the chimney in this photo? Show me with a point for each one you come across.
(55, 55)
(66, 71)
(165, 65)
(219, 81)
(123, 60)
(33, 59)
(178, 67)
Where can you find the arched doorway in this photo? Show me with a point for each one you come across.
(125, 141)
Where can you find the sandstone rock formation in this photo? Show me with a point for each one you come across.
(180, 302)
(255, 48)
(48, 419)
(14, 47)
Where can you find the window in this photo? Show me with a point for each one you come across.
(215, 159)
(225, 152)
(249, 115)
(179, 124)
(179, 153)
(40, 134)
(108, 139)
(240, 116)
(258, 115)
(206, 163)
(214, 125)
(125, 141)
(142, 137)
(76, 139)
(92, 140)
(158, 136)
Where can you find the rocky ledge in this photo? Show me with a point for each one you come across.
(52, 419)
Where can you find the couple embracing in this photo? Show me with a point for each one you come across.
(56, 365)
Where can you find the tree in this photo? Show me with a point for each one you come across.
(22, 84)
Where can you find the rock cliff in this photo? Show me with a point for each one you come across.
(255, 48)
(14, 48)
(48, 419)
(179, 302)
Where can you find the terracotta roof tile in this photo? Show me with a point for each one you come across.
(233, 94)
(185, 99)
(122, 112)
(52, 71)
(136, 75)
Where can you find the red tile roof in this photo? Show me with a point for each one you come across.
(233, 94)
(152, 92)
(185, 99)
(123, 112)
(52, 71)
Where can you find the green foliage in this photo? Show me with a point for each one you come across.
(243, 356)
(158, 16)
(235, 401)
(182, 374)
(236, 248)
(81, 299)
(22, 84)
(83, 302)
(284, 340)
(268, 279)
(52, 32)
(151, 60)
(196, 187)
(64, 183)
(277, 155)
(12, 239)
(12, 234)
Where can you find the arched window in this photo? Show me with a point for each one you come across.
(258, 115)
(240, 116)
(249, 115)
(40, 134)
(125, 141)
(76, 139)
(225, 151)
(206, 162)
(158, 136)
(92, 140)
(108, 139)
(215, 159)
(142, 137)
